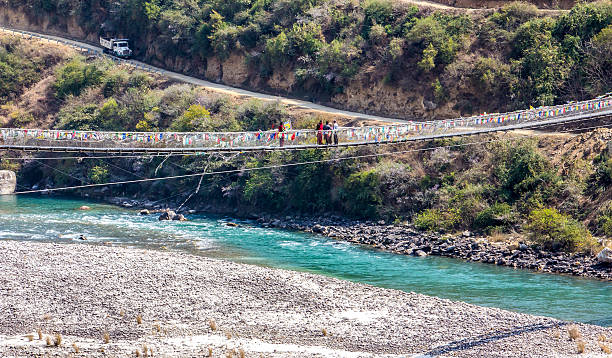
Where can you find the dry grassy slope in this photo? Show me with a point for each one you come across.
(39, 99)
(574, 157)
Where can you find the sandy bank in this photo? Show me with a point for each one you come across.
(82, 291)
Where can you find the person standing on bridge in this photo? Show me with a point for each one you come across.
(320, 133)
(327, 132)
(281, 134)
(335, 126)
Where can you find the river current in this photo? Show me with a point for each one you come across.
(58, 220)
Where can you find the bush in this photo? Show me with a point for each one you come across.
(437, 220)
(16, 73)
(556, 231)
(98, 174)
(512, 15)
(195, 118)
(525, 171)
(79, 117)
(340, 58)
(223, 40)
(256, 115)
(497, 216)
(278, 51)
(75, 76)
(306, 38)
(361, 194)
(604, 222)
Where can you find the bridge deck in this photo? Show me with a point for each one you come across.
(84, 147)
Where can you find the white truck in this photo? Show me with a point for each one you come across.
(117, 47)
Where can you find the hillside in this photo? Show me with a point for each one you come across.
(554, 189)
(377, 56)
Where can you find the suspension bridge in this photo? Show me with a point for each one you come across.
(45, 140)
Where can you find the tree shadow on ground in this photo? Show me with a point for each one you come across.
(472, 342)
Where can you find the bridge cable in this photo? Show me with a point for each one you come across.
(242, 170)
(322, 147)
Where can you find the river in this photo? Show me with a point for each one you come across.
(58, 220)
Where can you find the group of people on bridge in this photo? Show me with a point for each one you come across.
(325, 132)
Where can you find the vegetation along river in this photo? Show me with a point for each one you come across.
(58, 220)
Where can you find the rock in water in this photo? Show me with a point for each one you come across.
(179, 217)
(144, 212)
(167, 215)
(8, 182)
(605, 255)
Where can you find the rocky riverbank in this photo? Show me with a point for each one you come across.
(110, 301)
(404, 239)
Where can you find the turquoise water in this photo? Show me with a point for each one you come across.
(57, 220)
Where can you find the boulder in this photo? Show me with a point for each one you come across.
(167, 215)
(605, 255)
(318, 229)
(179, 217)
(8, 182)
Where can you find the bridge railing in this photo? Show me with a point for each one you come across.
(300, 137)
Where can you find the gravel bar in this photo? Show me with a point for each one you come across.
(191, 306)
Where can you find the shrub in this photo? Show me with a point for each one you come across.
(99, 174)
(16, 73)
(512, 15)
(340, 57)
(361, 194)
(262, 190)
(427, 63)
(75, 76)
(556, 231)
(278, 50)
(196, 117)
(377, 12)
(223, 40)
(257, 115)
(604, 222)
(80, 117)
(306, 38)
(396, 48)
(525, 171)
(496, 216)
(437, 220)
(113, 83)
